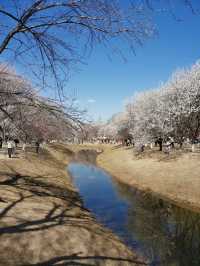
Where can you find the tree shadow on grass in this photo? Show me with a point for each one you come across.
(75, 259)
(57, 213)
(56, 216)
(37, 187)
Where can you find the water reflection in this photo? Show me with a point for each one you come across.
(165, 234)
(170, 235)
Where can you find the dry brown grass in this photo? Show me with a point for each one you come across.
(175, 177)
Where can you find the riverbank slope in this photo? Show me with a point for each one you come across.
(42, 218)
(175, 177)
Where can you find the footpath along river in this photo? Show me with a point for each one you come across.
(162, 233)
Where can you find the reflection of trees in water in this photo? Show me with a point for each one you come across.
(186, 236)
(167, 232)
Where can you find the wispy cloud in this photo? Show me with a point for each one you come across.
(91, 100)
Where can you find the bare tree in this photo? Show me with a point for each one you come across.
(49, 36)
(24, 112)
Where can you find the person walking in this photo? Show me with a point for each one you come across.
(9, 145)
(160, 142)
(37, 145)
(168, 146)
(13, 147)
(24, 147)
(171, 139)
(16, 142)
(142, 147)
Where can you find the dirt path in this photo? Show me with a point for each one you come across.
(43, 221)
(176, 177)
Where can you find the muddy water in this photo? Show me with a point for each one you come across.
(161, 232)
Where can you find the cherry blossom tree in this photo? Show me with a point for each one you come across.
(171, 110)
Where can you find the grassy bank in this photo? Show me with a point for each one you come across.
(175, 177)
(42, 219)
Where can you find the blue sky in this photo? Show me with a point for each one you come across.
(103, 85)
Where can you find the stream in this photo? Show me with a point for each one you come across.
(161, 232)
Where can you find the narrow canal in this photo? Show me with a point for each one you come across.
(161, 232)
